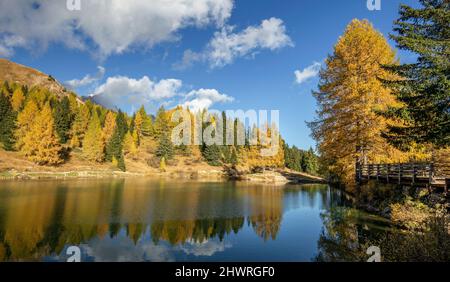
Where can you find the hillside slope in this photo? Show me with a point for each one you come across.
(13, 72)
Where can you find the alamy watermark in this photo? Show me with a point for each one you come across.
(240, 128)
(374, 5)
(73, 5)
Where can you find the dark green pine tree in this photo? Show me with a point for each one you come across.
(425, 87)
(114, 149)
(63, 119)
(121, 125)
(165, 147)
(212, 154)
(7, 123)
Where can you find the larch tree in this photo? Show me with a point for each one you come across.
(93, 144)
(423, 87)
(109, 127)
(350, 94)
(17, 99)
(41, 143)
(25, 120)
(80, 124)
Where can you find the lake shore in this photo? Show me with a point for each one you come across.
(279, 177)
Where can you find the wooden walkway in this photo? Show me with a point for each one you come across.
(416, 174)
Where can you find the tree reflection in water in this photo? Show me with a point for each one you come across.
(38, 219)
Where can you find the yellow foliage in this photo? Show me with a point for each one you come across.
(93, 145)
(41, 144)
(17, 99)
(349, 96)
(110, 126)
(25, 120)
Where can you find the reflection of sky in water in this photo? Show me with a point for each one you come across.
(143, 220)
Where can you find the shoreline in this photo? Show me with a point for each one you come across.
(279, 177)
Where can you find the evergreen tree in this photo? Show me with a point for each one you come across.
(80, 124)
(7, 123)
(423, 87)
(212, 154)
(114, 149)
(63, 119)
(93, 144)
(41, 142)
(165, 147)
(161, 125)
(121, 124)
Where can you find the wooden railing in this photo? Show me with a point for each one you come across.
(404, 173)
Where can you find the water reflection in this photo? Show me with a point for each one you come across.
(136, 220)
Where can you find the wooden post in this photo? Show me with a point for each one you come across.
(446, 185)
(388, 169)
(430, 178)
(400, 173)
(378, 172)
(414, 174)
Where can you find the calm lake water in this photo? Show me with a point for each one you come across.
(160, 220)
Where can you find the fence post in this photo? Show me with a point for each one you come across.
(400, 167)
(414, 174)
(378, 172)
(388, 169)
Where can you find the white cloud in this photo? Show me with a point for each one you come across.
(8, 43)
(87, 80)
(307, 73)
(131, 93)
(227, 45)
(114, 26)
(205, 98)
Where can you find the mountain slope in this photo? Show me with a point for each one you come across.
(13, 72)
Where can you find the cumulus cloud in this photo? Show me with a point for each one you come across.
(122, 90)
(228, 45)
(87, 80)
(131, 93)
(311, 71)
(114, 26)
(205, 98)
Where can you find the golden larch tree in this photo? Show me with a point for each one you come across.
(17, 99)
(41, 143)
(93, 143)
(348, 128)
(110, 126)
(25, 120)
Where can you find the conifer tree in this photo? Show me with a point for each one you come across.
(212, 155)
(161, 125)
(350, 93)
(25, 120)
(41, 143)
(93, 144)
(114, 149)
(109, 127)
(7, 123)
(423, 87)
(129, 145)
(147, 124)
(80, 124)
(63, 119)
(165, 147)
(17, 99)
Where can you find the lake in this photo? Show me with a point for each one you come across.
(161, 220)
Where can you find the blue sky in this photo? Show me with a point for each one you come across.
(259, 75)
